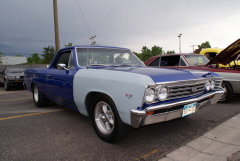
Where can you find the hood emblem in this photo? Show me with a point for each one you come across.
(129, 95)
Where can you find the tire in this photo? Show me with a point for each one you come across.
(106, 120)
(6, 86)
(228, 93)
(38, 98)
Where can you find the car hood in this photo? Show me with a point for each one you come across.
(227, 55)
(168, 75)
(15, 74)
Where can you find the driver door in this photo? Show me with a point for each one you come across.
(60, 80)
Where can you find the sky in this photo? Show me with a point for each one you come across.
(26, 26)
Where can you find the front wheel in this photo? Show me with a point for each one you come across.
(6, 86)
(106, 120)
(228, 93)
(38, 98)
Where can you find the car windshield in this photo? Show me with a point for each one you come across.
(107, 57)
(195, 60)
(15, 70)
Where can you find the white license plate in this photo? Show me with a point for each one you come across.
(189, 109)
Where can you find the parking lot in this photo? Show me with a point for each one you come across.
(56, 133)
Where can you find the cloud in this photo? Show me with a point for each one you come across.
(132, 24)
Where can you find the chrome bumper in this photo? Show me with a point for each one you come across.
(141, 118)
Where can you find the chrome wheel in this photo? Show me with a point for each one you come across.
(104, 117)
(35, 93)
(225, 92)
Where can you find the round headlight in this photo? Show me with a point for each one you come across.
(212, 84)
(162, 93)
(208, 86)
(150, 95)
(13, 77)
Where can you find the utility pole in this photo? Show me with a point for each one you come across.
(180, 42)
(193, 47)
(92, 40)
(56, 28)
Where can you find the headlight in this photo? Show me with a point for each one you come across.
(212, 84)
(162, 93)
(150, 95)
(13, 77)
(208, 86)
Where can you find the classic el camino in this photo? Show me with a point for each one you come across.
(117, 91)
(223, 64)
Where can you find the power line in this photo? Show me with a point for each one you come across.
(84, 18)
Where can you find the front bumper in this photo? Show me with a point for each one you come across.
(15, 82)
(141, 118)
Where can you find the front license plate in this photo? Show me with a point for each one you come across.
(189, 109)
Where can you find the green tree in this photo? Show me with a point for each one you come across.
(170, 52)
(147, 53)
(34, 59)
(137, 54)
(49, 53)
(204, 45)
(69, 44)
(156, 50)
(29, 60)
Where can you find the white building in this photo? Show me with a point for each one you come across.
(13, 60)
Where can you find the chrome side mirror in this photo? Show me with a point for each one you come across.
(62, 66)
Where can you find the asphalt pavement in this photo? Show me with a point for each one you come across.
(56, 133)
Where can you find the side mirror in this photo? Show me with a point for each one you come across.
(62, 66)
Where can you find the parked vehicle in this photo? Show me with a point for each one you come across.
(231, 75)
(89, 79)
(12, 76)
(210, 53)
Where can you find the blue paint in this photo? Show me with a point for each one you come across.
(57, 84)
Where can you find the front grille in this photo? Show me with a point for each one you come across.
(185, 90)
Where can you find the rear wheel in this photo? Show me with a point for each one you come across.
(106, 120)
(228, 93)
(39, 99)
(6, 86)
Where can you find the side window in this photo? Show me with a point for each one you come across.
(71, 64)
(172, 60)
(182, 63)
(155, 63)
(63, 59)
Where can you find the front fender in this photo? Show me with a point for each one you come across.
(125, 89)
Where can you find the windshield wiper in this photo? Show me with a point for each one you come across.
(96, 65)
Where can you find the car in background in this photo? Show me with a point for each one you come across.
(12, 76)
(210, 53)
(231, 74)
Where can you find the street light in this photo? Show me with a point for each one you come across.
(180, 42)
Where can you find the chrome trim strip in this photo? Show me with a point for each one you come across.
(231, 80)
(189, 80)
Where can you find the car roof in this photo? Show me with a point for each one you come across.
(91, 46)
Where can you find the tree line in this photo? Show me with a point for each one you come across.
(49, 53)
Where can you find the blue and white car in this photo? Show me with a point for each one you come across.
(117, 96)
